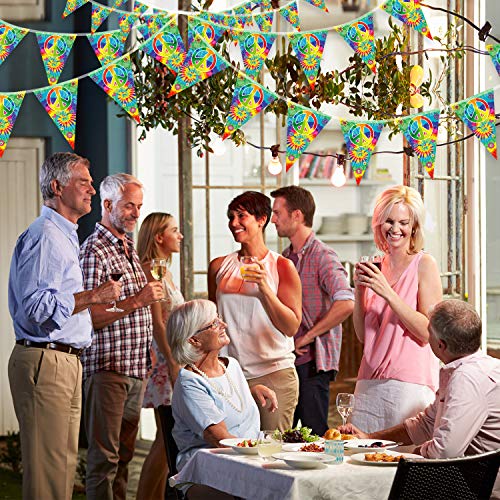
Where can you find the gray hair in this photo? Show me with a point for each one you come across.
(59, 167)
(183, 323)
(112, 187)
(458, 325)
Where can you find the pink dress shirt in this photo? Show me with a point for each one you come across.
(465, 416)
(390, 351)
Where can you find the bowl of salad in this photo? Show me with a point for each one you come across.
(300, 435)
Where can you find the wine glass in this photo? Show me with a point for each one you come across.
(345, 405)
(269, 443)
(159, 270)
(116, 271)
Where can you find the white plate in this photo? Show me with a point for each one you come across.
(360, 445)
(233, 443)
(360, 458)
(298, 446)
(304, 459)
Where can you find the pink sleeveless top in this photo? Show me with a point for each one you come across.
(390, 351)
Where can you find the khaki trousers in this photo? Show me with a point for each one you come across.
(112, 410)
(47, 395)
(285, 384)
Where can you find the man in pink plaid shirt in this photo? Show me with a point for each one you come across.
(327, 300)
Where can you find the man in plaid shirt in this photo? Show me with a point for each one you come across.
(115, 366)
(327, 300)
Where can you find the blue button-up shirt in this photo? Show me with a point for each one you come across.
(44, 276)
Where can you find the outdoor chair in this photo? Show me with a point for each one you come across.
(464, 478)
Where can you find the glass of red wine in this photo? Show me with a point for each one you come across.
(116, 272)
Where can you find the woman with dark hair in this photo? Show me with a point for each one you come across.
(398, 375)
(262, 310)
(159, 237)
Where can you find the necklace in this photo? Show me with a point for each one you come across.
(219, 390)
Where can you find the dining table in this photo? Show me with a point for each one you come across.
(249, 476)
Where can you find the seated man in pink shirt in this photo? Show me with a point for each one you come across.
(465, 416)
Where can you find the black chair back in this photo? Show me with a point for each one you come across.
(464, 478)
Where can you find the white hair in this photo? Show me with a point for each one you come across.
(112, 187)
(183, 323)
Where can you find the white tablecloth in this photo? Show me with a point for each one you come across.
(250, 477)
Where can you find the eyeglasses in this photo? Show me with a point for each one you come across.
(215, 325)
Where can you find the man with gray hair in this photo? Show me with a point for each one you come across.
(115, 366)
(52, 325)
(465, 416)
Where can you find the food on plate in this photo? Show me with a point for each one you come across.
(332, 434)
(312, 447)
(347, 437)
(375, 444)
(382, 457)
(299, 435)
(247, 443)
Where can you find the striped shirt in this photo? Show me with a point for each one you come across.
(122, 346)
(324, 281)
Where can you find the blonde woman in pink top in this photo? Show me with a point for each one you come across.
(398, 375)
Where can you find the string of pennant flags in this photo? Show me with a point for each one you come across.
(200, 61)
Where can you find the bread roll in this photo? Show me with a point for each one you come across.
(332, 434)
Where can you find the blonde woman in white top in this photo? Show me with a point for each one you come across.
(263, 311)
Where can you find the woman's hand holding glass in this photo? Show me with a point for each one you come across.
(269, 443)
(158, 271)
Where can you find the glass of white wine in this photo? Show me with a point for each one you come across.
(159, 270)
(345, 405)
(269, 443)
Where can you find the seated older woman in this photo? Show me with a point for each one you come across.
(211, 400)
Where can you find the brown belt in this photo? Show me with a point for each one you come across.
(51, 345)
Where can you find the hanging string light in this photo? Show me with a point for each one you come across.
(338, 178)
(275, 167)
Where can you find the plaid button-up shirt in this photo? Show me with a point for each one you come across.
(324, 281)
(123, 346)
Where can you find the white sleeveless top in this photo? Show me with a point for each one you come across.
(259, 347)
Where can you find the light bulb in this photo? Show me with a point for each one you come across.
(274, 167)
(338, 177)
(217, 145)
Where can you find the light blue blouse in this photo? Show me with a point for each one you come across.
(195, 406)
(44, 276)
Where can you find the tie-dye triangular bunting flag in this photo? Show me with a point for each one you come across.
(410, 13)
(309, 49)
(303, 125)
(264, 21)
(54, 50)
(478, 113)
(361, 139)
(255, 48)
(60, 103)
(421, 132)
(126, 21)
(118, 4)
(107, 46)
(201, 63)
(99, 15)
(167, 47)
(140, 8)
(494, 51)
(249, 99)
(72, 5)
(209, 32)
(9, 108)
(117, 80)
(359, 35)
(318, 3)
(291, 14)
(10, 36)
